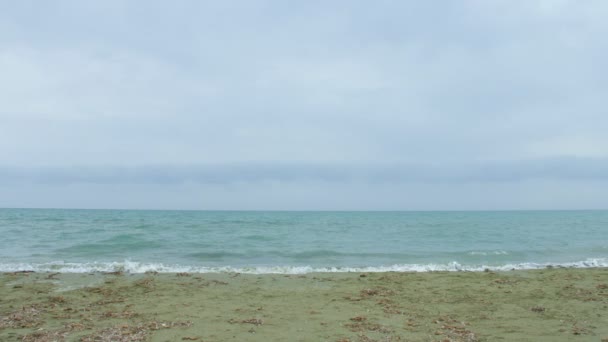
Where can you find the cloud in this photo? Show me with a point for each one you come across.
(257, 172)
(257, 91)
(312, 195)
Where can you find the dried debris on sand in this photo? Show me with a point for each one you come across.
(439, 307)
(131, 333)
(24, 317)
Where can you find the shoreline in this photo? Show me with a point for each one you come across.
(553, 304)
(136, 267)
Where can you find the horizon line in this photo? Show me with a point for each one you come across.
(301, 210)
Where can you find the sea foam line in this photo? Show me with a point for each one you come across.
(138, 267)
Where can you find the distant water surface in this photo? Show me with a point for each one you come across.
(298, 242)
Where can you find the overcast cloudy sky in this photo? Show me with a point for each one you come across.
(383, 105)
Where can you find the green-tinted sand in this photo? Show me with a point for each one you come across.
(542, 305)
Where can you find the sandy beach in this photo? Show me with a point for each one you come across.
(539, 305)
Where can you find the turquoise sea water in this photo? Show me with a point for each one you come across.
(297, 242)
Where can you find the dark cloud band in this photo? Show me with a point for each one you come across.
(505, 171)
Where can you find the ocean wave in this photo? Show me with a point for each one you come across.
(305, 255)
(488, 253)
(139, 267)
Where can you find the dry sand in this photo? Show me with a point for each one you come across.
(540, 305)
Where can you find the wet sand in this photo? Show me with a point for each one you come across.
(539, 305)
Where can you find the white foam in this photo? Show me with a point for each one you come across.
(137, 267)
(488, 253)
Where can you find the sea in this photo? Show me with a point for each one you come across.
(261, 242)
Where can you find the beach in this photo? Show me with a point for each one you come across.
(114, 275)
(554, 304)
(333, 171)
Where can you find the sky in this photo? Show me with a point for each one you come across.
(310, 105)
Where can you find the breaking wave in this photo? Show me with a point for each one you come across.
(139, 267)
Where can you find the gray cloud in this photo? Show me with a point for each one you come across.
(514, 171)
(344, 92)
